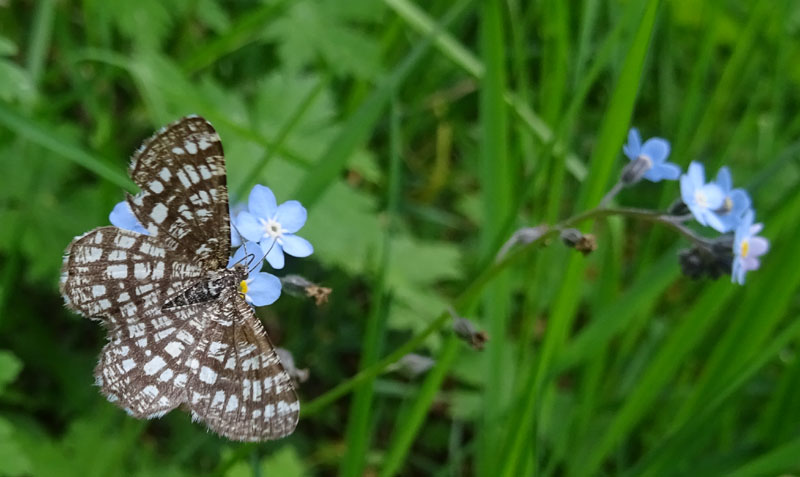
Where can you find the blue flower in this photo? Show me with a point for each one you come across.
(273, 226)
(747, 247)
(701, 198)
(236, 239)
(735, 202)
(259, 288)
(122, 217)
(654, 153)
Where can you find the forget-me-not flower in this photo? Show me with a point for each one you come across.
(701, 198)
(652, 155)
(273, 226)
(734, 203)
(122, 217)
(236, 239)
(747, 247)
(259, 288)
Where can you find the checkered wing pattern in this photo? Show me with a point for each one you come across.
(179, 331)
(239, 388)
(121, 276)
(183, 198)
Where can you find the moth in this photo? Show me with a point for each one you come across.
(180, 332)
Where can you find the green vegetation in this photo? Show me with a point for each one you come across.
(421, 136)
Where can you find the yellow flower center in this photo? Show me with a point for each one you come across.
(727, 205)
(243, 287)
(745, 248)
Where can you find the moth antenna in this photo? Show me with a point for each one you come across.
(249, 257)
(249, 271)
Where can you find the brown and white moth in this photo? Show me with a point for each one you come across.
(180, 333)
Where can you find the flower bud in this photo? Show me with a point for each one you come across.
(713, 260)
(299, 286)
(412, 365)
(678, 208)
(287, 360)
(467, 331)
(574, 238)
(635, 169)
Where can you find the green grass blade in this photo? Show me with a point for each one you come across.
(498, 185)
(358, 429)
(246, 30)
(408, 425)
(462, 57)
(781, 460)
(615, 125)
(47, 137)
(360, 124)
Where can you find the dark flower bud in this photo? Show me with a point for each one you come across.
(712, 260)
(635, 169)
(678, 208)
(299, 286)
(574, 238)
(691, 262)
(467, 331)
(571, 237)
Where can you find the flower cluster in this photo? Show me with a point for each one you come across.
(262, 232)
(716, 204)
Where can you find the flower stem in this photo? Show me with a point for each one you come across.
(610, 194)
(472, 291)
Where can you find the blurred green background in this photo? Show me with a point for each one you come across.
(420, 135)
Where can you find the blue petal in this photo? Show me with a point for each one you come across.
(263, 288)
(714, 196)
(236, 239)
(715, 222)
(737, 273)
(729, 222)
(687, 190)
(670, 171)
(724, 179)
(237, 257)
(746, 223)
(291, 215)
(233, 210)
(297, 246)
(697, 174)
(666, 170)
(261, 202)
(758, 246)
(122, 217)
(634, 146)
(249, 226)
(741, 201)
(654, 174)
(656, 149)
(249, 255)
(698, 212)
(274, 253)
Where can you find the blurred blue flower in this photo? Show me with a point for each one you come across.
(735, 202)
(273, 226)
(747, 247)
(233, 210)
(653, 154)
(121, 216)
(259, 288)
(701, 198)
